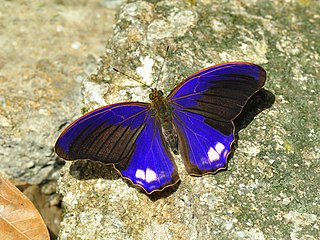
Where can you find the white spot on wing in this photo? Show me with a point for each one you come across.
(140, 174)
(219, 147)
(150, 175)
(213, 155)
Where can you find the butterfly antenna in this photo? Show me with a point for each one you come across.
(128, 76)
(164, 60)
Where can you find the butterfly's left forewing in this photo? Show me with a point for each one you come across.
(204, 106)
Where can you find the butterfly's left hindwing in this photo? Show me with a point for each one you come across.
(204, 106)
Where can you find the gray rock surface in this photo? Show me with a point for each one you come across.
(270, 190)
(271, 187)
(46, 49)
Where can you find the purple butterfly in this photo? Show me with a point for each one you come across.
(197, 116)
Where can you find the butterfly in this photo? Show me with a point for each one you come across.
(195, 119)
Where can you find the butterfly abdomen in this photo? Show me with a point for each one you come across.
(163, 112)
(170, 136)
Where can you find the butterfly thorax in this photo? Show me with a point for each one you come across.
(163, 113)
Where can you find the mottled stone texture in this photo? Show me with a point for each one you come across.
(46, 49)
(271, 187)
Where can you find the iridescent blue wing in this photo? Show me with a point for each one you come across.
(101, 135)
(204, 106)
(151, 165)
(126, 135)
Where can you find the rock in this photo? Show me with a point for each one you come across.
(44, 56)
(272, 175)
(40, 80)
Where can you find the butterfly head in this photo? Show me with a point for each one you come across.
(155, 94)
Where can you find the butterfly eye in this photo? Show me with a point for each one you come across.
(151, 96)
(160, 93)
